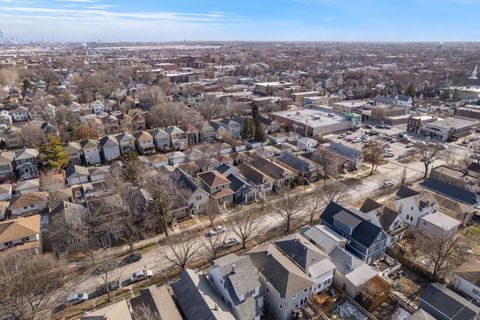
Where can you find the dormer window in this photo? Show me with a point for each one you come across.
(346, 222)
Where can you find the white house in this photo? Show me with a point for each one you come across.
(161, 139)
(176, 157)
(91, 151)
(20, 114)
(33, 202)
(76, 175)
(411, 205)
(21, 233)
(467, 279)
(110, 148)
(5, 192)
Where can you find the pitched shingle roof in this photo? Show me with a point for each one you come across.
(450, 191)
(405, 192)
(213, 178)
(470, 271)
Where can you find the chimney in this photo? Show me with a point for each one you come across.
(233, 268)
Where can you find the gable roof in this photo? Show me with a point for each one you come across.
(450, 191)
(276, 269)
(213, 178)
(298, 163)
(19, 228)
(405, 192)
(252, 174)
(448, 302)
(370, 205)
(364, 231)
(470, 271)
(28, 199)
(271, 169)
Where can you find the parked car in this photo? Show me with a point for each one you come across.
(342, 136)
(388, 184)
(230, 242)
(388, 154)
(131, 258)
(74, 298)
(349, 139)
(367, 126)
(357, 140)
(216, 230)
(112, 286)
(387, 126)
(409, 145)
(140, 275)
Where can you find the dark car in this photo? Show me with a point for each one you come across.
(131, 258)
(112, 286)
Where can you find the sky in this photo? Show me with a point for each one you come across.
(256, 20)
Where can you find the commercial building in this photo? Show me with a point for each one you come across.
(448, 129)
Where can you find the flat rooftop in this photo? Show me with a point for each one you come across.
(455, 123)
(312, 117)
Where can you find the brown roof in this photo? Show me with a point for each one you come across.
(470, 271)
(28, 199)
(213, 178)
(19, 228)
(223, 193)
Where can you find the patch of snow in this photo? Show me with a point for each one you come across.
(347, 311)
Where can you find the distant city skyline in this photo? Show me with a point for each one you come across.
(269, 20)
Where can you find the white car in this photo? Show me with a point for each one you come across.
(388, 154)
(216, 230)
(76, 297)
(230, 242)
(140, 275)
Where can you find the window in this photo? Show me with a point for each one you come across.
(294, 297)
(408, 217)
(411, 208)
(199, 198)
(281, 307)
(475, 291)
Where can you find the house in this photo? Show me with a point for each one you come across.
(158, 300)
(27, 186)
(262, 182)
(138, 118)
(473, 169)
(178, 138)
(5, 192)
(244, 192)
(74, 152)
(26, 164)
(207, 132)
(22, 233)
(12, 137)
(196, 298)
(76, 175)
(126, 142)
(197, 198)
(110, 148)
(411, 205)
(235, 280)
(306, 143)
(29, 203)
(116, 311)
(145, 142)
(90, 151)
(444, 304)
(467, 279)
(438, 224)
(283, 178)
(217, 186)
(351, 273)
(6, 167)
(5, 118)
(20, 114)
(350, 153)
(287, 288)
(277, 138)
(233, 127)
(161, 139)
(366, 240)
(157, 160)
(302, 167)
(176, 157)
(386, 218)
(98, 173)
(451, 191)
(3, 208)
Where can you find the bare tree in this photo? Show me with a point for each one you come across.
(289, 206)
(32, 135)
(28, 283)
(327, 165)
(244, 225)
(171, 113)
(439, 250)
(333, 193)
(182, 250)
(313, 204)
(430, 152)
(373, 153)
(109, 273)
(213, 211)
(403, 177)
(214, 244)
(163, 196)
(209, 108)
(8, 77)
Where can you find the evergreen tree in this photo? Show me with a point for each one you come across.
(411, 92)
(260, 134)
(248, 129)
(54, 153)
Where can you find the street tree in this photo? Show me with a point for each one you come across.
(328, 167)
(313, 204)
(244, 225)
(289, 206)
(214, 244)
(108, 273)
(28, 284)
(181, 250)
(334, 192)
(373, 153)
(429, 152)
